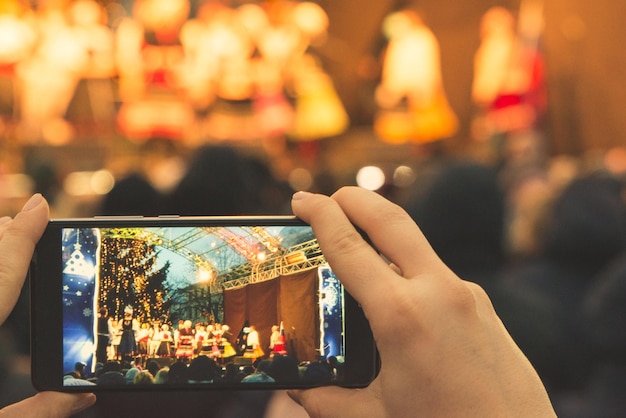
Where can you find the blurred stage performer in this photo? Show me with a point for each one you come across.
(49, 76)
(412, 103)
(277, 340)
(185, 341)
(103, 335)
(165, 348)
(220, 346)
(129, 327)
(508, 86)
(18, 39)
(285, 47)
(218, 56)
(253, 344)
(242, 338)
(149, 55)
(143, 339)
(92, 109)
(155, 338)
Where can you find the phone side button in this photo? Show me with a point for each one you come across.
(169, 216)
(121, 217)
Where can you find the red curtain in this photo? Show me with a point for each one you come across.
(292, 299)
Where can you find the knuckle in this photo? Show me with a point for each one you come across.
(461, 298)
(393, 214)
(481, 296)
(347, 239)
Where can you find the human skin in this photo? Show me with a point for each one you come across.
(18, 237)
(443, 349)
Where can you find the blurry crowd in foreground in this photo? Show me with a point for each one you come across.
(547, 242)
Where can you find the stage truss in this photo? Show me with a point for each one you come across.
(281, 261)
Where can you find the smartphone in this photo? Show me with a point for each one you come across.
(123, 303)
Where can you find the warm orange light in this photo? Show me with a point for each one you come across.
(295, 257)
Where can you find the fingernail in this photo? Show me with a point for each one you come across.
(84, 402)
(33, 202)
(4, 220)
(301, 195)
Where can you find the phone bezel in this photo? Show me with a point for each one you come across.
(361, 360)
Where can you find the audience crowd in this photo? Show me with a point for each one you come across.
(203, 369)
(548, 244)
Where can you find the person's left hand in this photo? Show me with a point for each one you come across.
(50, 405)
(18, 237)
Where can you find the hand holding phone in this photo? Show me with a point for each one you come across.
(443, 350)
(17, 240)
(187, 303)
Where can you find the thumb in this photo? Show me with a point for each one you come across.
(50, 405)
(17, 242)
(333, 401)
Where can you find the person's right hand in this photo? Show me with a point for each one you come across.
(444, 352)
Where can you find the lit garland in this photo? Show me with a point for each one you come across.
(128, 277)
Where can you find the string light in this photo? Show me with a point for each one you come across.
(132, 279)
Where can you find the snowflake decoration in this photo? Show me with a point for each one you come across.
(87, 312)
(66, 288)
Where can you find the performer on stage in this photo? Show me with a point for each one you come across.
(274, 337)
(115, 336)
(143, 337)
(185, 346)
(156, 336)
(165, 348)
(253, 345)
(200, 336)
(413, 106)
(103, 335)
(221, 346)
(277, 341)
(207, 342)
(508, 87)
(242, 338)
(128, 343)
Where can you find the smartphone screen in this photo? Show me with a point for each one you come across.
(187, 302)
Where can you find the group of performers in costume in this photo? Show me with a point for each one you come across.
(130, 340)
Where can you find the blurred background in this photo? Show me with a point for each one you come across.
(91, 91)
(497, 124)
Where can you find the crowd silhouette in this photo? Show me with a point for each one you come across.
(552, 293)
(560, 297)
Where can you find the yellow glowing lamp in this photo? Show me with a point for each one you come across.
(295, 257)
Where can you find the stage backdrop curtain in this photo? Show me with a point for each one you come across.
(291, 299)
(262, 309)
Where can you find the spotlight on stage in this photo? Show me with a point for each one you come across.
(295, 257)
(204, 275)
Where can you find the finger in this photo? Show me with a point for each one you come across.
(17, 244)
(396, 269)
(390, 228)
(4, 222)
(333, 401)
(50, 405)
(353, 260)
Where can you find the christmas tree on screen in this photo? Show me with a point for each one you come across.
(128, 277)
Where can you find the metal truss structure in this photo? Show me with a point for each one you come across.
(281, 261)
(298, 258)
